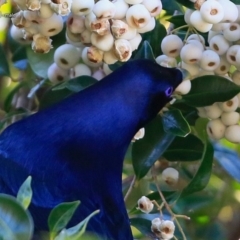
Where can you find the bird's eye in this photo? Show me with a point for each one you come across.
(169, 91)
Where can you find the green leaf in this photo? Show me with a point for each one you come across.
(147, 150)
(60, 217)
(145, 52)
(51, 97)
(76, 232)
(155, 38)
(203, 174)
(9, 98)
(19, 54)
(24, 195)
(4, 67)
(39, 62)
(207, 90)
(189, 148)
(15, 222)
(143, 225)
(186, 3)
(171, 6)
(175, 123)
(116, 65)
(76, 84)
(177, 20)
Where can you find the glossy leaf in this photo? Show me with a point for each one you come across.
(9, 98)
(186, 3)
(143, 225)
(203, 174)
(189, 148)
(145, 52)
(4, 68)
(15, 222)
(19, 54)
(60, 217)
(76, 84)
(154, 38)
(177, 20)
(40, 62)
(207, 90)
(147, 150)
(171, 6)
(228, 159)
(76, 232)
(24, 195)
(175, 123)
(51, 97)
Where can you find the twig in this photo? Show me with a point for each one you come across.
(169, 209)
(130, 188)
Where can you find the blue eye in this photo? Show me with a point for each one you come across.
(169, 91)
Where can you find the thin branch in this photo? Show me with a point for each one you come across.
(130, 188)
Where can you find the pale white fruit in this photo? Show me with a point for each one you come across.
(106, 69)
(195, 42)
(236, 77)
(135, 42)
(132, 2)
(230, 11)
(213, 111)
(232, 133)
(99, 74)
(187, 16)
(56, 74)
(153, 6)
(202, 112)
(121, 8)
(66, 56)
(231, 54)
(171, 45)
(230, 118)
(205, 73)
(149, 27)
(230, 105)
(197, 21)
(219, 27)
(87, 61)
(210, 60)
(232, 32)
(197, 37)
(216, 129)
(104, 9)
(82, 7)
(104, 43)
(184, 87)
(219, 44)
(138, 16)
(191, 54)
(223, 67)
(145, 204)
(80, 69)
(170, 175)
(51, 26)
(193, 69)
(212, 11)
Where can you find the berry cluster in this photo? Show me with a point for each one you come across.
(221, 19)
(163, 229)
(97, 32)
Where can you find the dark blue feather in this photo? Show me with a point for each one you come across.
(74, 150)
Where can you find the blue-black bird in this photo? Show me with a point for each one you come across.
(74, 150)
